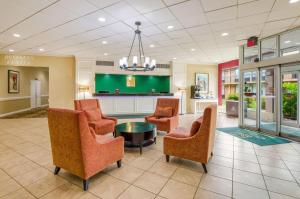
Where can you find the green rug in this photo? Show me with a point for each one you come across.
(253, 136)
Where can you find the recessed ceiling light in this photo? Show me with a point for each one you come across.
(16, 35)
(41, 49)
(298, 43)
(287, 42)
(105, 54)
(174, 58)
(104, 42)
(225, 34)
(152, 46)
(170, 27)
(11, 50)
(193, 49)
(293, 1)
(102, 19)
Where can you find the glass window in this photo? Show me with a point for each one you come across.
(268, 48)
(290, 43)
(250, 54)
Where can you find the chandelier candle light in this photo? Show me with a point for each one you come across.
(146, 65)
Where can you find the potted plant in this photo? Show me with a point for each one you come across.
(232, 105)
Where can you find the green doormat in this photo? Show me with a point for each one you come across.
(253, 136)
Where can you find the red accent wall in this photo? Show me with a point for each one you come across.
(221, 66)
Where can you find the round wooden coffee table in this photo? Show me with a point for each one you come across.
(137, 134)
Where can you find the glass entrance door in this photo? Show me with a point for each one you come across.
(268, 100)
(290, 125)
(249, 90)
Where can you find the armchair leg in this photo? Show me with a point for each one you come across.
(212, 154)
(85, 185)
(119, 163)
(204, 167)
(167, 158)
(56, 170)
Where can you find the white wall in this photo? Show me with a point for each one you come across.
(179, 80)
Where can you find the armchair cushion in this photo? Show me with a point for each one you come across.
(179, 133)
(103, 126)
(93, 115)
(163, 112)
(195, 126)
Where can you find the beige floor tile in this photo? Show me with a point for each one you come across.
(242, 191)
(126, 173)
(151, 182)
(19, 194)
(248, 178)
(32, 176)
(21, 169)
(45, 185)
(18, 160)
(204, 194)
(183, 191)
(279, 196)
(108, 187)
(215, 184)
(283, 187)
(134, 192)
(187, 176)
(163, 168)
(65, 191)
(274, 172)
(153, 154)
(142, 163)
(3, 176)
(271, 162)
(8, 186)
(247, 166)
(220, 171)
(222, 161)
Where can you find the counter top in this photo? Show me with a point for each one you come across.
(133, 94)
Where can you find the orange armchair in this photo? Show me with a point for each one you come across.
(165, 123)
(196, 145)
(77, 149)
(103, 125)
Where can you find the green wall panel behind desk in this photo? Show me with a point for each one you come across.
(143, 83)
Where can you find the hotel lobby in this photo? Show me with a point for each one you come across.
(154, 99)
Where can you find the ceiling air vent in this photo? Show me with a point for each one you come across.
(105, 63)
(162, 65)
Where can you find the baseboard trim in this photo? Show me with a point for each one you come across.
(21, 111)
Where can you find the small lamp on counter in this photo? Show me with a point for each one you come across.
(182, 91)
(84, 89)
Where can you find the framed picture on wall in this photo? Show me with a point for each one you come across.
(13, 81)
(202, 81)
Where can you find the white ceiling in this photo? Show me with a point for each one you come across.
(71, 27)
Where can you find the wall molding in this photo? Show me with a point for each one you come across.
(20, 111)
(4, 99)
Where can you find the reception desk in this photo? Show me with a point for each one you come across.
(129, 103)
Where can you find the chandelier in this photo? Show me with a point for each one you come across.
(146, 64)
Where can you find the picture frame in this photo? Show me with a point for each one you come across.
(202, 81)
(13, 81)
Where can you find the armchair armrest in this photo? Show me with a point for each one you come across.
(174, 121)
(110, 118)
(148, 116)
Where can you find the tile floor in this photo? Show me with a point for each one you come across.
(238, 169)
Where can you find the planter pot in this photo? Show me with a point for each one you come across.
(232, 108)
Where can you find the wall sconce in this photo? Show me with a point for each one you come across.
(84, 89)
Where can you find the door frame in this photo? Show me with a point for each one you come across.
(277, 100)
(286, 69)
(242, 124)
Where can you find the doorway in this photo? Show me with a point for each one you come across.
(290, 81)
